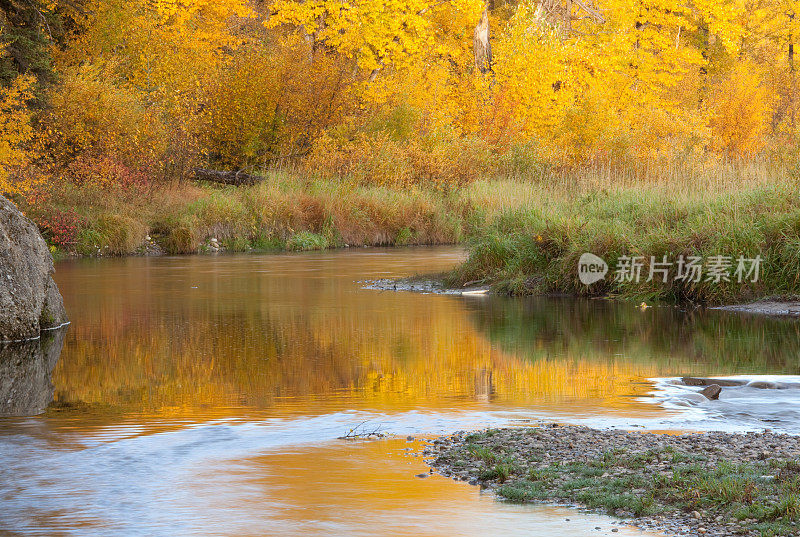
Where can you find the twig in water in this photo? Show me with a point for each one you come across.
(359, 432)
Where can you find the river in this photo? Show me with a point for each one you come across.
(206, 395)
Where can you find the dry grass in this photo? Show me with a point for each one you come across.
(183, 217)
(688, 179)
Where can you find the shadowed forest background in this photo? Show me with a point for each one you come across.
(387, 122)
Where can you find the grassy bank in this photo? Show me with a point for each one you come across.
(282, 212)
(534, 247)
(709, 484)
(525, 234)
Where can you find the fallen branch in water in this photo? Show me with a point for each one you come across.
(359, 432)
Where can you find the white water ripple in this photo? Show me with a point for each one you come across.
(761, 402)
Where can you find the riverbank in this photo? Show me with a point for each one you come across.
(535, 248)
(283, 212)
(524, 236)
(696, 484)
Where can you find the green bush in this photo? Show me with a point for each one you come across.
(306, 240)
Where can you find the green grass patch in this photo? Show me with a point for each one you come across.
(306, 240)
(657, 481)
(534, 248)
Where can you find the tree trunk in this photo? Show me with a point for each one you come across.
(482, 44)
(792, 82)
(226, 178)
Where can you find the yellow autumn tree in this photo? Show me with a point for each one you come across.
(392, 89)
(15, 132)
(148, 62)
(741, 108)
(375, 33)
(161, 48)
(91, 117)
(619, 77)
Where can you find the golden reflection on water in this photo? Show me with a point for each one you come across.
(256, 341)
(290, 334)
(388, 499)
(204, 395)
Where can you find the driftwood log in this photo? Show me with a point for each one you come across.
(226, 178)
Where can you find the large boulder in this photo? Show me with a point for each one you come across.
(29, 299)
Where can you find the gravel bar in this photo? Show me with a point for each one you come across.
(682, 484)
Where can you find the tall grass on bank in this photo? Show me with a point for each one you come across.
(533, 246)
(284, 211)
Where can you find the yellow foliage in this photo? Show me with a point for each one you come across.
(532, 71)
(270, 103)
(386, 91)
(15, 132)
(376, 33)
(741, 108)
(164, 48)
(89, 114)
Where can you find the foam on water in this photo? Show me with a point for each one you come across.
(739, 408)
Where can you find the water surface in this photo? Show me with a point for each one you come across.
(206, 395)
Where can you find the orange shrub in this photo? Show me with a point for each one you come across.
(270, 102)
(740, 112)
(378, 159)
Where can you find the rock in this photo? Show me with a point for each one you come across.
(695, 381)
(29, 299)
(696, 514)
(712, 392)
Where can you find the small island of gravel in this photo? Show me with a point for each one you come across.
(689, 484)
